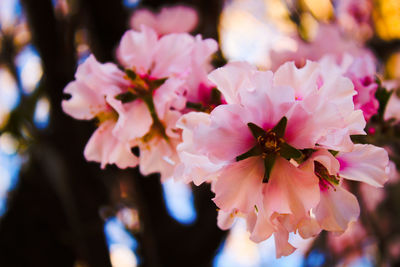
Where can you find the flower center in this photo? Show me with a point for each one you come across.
(270, 142)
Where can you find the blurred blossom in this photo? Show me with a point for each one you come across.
(394, 248)
(386, 15)
(372, 196)
(179, 201)
(394, 175)
(42, 111)
(350, 243)
(248, 32)
(354, 16)
(174, 19)
(29, 67)
(9, 12)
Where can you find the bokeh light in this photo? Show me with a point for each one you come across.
(29, 67)
(179, 201)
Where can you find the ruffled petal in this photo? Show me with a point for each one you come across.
(365, 163)
(230, 78)
(84, 103)
(103, 147)
(227, 136)
(239, 185)
(336, 209)
(134, 119)
(194, 166)
(290, 190)
(173, 55)
(136, 49)
(158, 155)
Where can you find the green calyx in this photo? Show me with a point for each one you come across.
(270, 145)
(143, 87)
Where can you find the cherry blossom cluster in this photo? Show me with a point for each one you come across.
(276, 146)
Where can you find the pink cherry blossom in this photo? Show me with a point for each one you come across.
(141, 105)
(94, 84)
(181, 62)
(177, 19)
(307, 97)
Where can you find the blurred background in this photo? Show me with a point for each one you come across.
(56, 209)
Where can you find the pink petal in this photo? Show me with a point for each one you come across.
(302, 80)
(282, 245)
(134, 119)
(143, 17)
(194, 165)
(84, 103)
(227, 136)
(226, 219)
(158, 155)
(167, 96)
(136, 49)
(239, 185)
(230, 78)
(177, 19)
(259, 223)
(309, 228)
(101, 78)
(365, 163)
(103, 147)
(336, 209)
(172, 56)
(290, 190)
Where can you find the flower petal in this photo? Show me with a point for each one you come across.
(336, 209)
(239, 184)
(365, 163)
(103, 147)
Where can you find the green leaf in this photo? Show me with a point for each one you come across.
(280, 127)
(126, 97)
(269, 162)
(289, 152)
(131, 74)
(154, 84)
(256, 130)
(333, 152)
(254, 151)
(382, 95)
